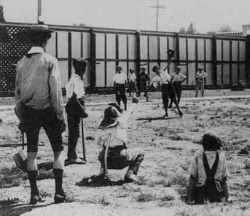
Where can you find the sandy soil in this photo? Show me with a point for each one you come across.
(168, 144)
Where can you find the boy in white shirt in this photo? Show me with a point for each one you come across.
(114, 124)
(75, 109)
(120, 80)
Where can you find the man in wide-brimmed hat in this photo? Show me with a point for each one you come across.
(114, 124)
(39, 105)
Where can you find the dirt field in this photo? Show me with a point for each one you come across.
(168, 144)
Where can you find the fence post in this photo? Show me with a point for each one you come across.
(69, 54)
(138, 52)
(214, 59)
(92, 59)
(247, 60)
(177, 44)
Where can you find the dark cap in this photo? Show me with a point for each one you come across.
(211, 142)
(38, 31)
(79, 61)
(155, 68)
(110, 118)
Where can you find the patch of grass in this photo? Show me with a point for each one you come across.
(45, 174)
(179, 180)
(10, 177)
(9, 201)
(145, 197)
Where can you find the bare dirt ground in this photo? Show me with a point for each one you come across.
(169, 146)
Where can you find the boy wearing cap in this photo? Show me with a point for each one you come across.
(143, 78)
(208, 172)
(177, 79)
(200, 81)
(120, 80)
(114, 124)
(132, 81)
(75, 109)
(39, 104)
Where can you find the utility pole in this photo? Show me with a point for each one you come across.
(158, 7)
(39, 10)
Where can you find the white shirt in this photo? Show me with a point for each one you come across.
(120, 78)
(131, 77)
(118, 133)
(76, 85)
(162, 78)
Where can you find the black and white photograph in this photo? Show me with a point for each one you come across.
(124, 107)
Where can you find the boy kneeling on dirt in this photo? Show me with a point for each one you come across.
(112, 133)
(208, 172)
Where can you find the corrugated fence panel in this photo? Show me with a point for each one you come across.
(163, 47)
(201, 49)
(100, 74)
(209, 70)
(100, 41)
(242, 50)
(226, 74)
(242, 72)
(76, 44)
(63, 66)
(218, 50)
(235, 50)
(234, 73)
(122, 46)
(153, 48)
(63, 47)
(144, 47)
(226, 50)
(191, 49)
(85, 45)
(219, 75)
(209, 53)
(191, 73)
(110, 73)
(183, 47)
(131, 47)
(111, 46)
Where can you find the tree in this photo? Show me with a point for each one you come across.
(190, 30)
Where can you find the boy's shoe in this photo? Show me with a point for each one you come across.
(34, 199)
(131, 178)
(165, 116)
(68, 161)
(59, 197)
(181, 114)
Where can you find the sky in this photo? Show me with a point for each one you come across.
(207, 15)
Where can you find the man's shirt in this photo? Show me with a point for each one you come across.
(162, 78)
(38, 83)
(120, 78)
(200, 76)
(178, 77)
(131, 77)
(76, 85)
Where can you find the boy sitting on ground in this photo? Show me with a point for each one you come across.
(208, 172)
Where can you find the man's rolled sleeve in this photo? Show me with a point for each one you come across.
(56, 99)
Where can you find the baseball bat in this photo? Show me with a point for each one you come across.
(106, 157)
(83, 142)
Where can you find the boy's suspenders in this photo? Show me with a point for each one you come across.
(210, 186)
(210, 172)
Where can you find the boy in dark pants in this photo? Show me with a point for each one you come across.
(39, 104)
(177, 79)
(120, 80)
(143, 78)
(75, 109)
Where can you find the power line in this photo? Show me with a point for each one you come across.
(158, 7)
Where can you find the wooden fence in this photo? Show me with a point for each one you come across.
(223, 57)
